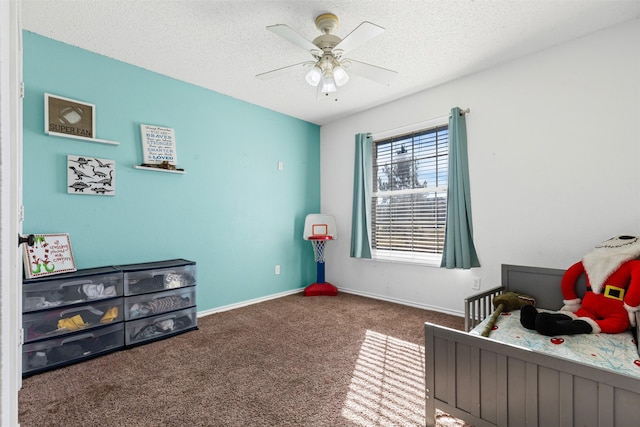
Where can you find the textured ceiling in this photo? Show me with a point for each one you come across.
(222, 45)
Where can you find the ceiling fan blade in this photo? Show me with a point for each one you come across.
(285, 32)
(371, 72)
(284, 70)
(362, 34)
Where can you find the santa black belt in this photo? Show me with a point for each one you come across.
(612, 292)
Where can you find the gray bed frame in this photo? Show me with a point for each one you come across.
(488, 383)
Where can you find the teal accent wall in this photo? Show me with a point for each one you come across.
(232, 211)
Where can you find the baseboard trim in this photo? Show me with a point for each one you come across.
(401, 301)
(249, 302)
(345, 290)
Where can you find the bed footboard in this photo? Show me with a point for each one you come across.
(488, 383)
(479, 306)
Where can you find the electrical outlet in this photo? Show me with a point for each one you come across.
(476, 283)
(277, 269)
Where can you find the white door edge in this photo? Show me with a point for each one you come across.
(10, 205)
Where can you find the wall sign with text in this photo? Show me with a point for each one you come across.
(68, 117)
(50, 254)
(158, 145)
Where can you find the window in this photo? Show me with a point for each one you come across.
(409, 198)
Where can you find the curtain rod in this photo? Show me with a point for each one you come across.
(419, 124)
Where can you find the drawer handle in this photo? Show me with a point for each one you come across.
(171, 294)
(162, 319)
(77, 282)
(162, 272)
(85, 308)
(76, 338)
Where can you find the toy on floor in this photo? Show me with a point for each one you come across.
(612, 297)
(320, 229)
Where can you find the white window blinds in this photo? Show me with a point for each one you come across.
(409, 200)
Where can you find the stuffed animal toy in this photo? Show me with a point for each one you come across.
(507, 301)
(612, 297)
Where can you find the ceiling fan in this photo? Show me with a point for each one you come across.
(330, 68)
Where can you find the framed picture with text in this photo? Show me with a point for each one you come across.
(158, 145)
(50, 254)
(69, 117)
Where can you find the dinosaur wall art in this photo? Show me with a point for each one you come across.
(90, 175)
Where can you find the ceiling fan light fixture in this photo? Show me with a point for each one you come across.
(329, 66)
(328, 85)
(314, 76)
(340, 75)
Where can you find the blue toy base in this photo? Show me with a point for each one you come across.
(317, 289)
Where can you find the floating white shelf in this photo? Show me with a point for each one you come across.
(157, 169)
(83, 138)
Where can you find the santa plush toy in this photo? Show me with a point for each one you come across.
(613, 293)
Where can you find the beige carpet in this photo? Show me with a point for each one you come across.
(293, 361)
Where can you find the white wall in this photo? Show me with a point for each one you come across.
(554, 150)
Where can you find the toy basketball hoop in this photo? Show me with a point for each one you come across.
(318, 246)
(319, 229)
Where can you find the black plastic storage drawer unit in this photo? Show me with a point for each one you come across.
(160, 326)
(70, 317)
(160, 300)
(144, 305)
(65, 320)
(71, 288)
(44, 355)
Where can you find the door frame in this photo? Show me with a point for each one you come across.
(11, 211)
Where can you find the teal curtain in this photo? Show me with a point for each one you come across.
(459, 250)
(362, 183)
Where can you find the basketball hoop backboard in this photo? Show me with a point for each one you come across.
(320, 226)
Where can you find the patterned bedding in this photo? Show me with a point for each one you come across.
(616, 352)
